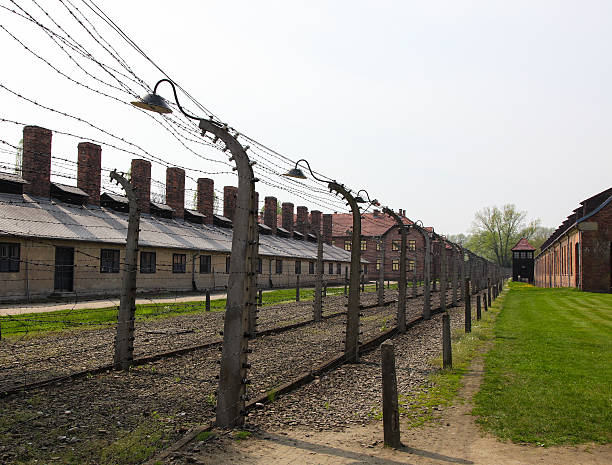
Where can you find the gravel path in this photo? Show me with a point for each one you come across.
(160, 399)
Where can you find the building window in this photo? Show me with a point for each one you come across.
(147, 262)
(377, 264)
(395, 265)
(259, 265)
(279, 266)
(395, 245)
(9, 257)
(227, 264)
(347, 245)
(412, 244)
(205, 264)
(331, 268)
(517, 255)
(298, 267)
(411, 265)
(179, 263)
(364, 245)
(311, 267)
(338, 268)
(109, 261)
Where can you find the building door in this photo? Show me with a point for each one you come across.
(64, 269)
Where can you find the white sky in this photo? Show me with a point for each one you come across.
(440, 108)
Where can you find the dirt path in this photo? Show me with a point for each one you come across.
(455, 440)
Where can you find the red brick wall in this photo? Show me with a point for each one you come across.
(206, 198)
(596, 253)
(88, 171)
(230, 197)
(141, 182)
(175, 190)
(271, 213)
(36, 161)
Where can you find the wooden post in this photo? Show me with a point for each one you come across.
(478, 308)
(447, 354)
(484, 300)
(468, 307)
(389, 392)
(207, 300)
(124, 339)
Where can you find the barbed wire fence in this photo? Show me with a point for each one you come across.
(177, 337)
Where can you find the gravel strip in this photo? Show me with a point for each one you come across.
(161, 398)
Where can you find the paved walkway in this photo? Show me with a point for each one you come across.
(20, 308)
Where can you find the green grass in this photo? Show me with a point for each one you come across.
(32, 324)
(548, 378)
(422, 406)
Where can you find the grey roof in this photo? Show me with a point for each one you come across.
(26, 216)
(116, 198)
(162, 206)
(12, 177)
(195, 213)
(73, 190)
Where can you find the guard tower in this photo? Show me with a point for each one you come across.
(522, 261)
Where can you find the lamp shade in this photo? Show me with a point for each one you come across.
(153, 102)
(295, 173)
(359, 199)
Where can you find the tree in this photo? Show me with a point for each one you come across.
(460, 238)
(495, 231)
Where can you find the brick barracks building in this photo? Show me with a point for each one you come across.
(579, 253)
(380, 230)
(61, 240)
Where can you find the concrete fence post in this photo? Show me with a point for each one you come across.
(207, 300)
(468, 307)
(389, 393)
(443, 276)
(454, 276)
(484, 300)
(478, 308)
(297, 288)
(318, 300)
(259, 297)
(447, 354)
(489, 291)
(381, 274)
(124, 339)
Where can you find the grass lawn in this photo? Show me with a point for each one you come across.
(548, 377)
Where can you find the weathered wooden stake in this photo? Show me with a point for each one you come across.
(389, 392)
(478, 309)
(447, 354)
(468, 307)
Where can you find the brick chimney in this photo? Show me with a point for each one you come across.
(36, 162)
(327, 228)
(230, 194)
(206, 198)
(315, 220)
(270, 213)
(141, 182)
(287, 216)
(302, 220)
(88, 171)
(175, 191)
